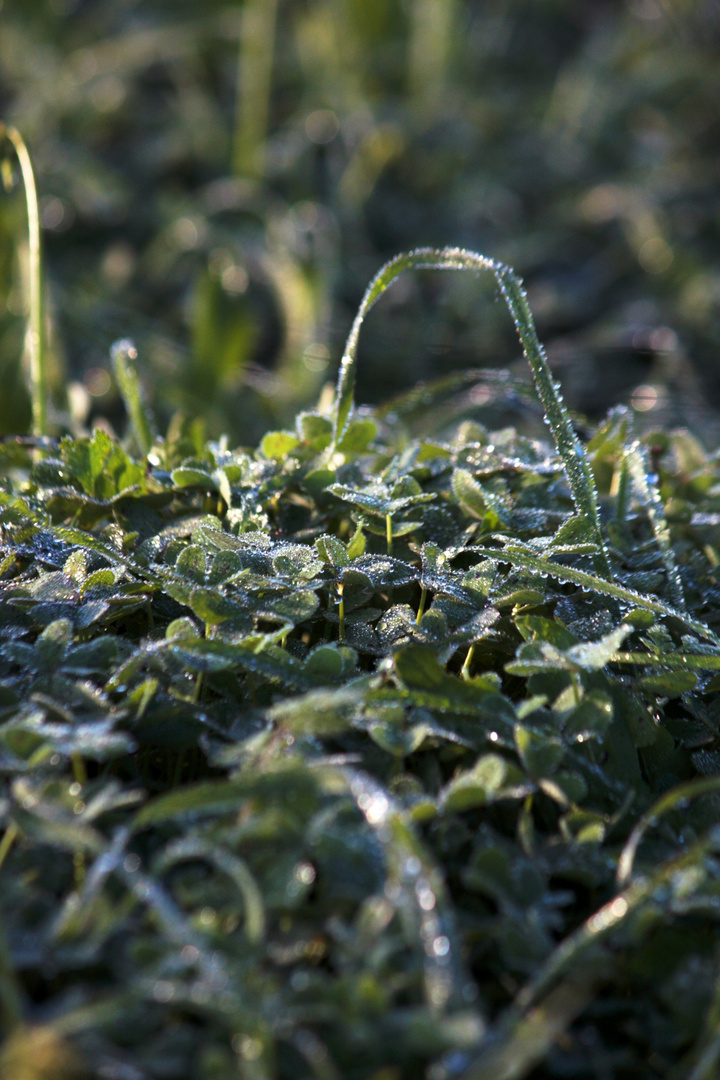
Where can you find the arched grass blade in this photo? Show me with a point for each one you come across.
(675, 799)
(538, 564)
(576, 465)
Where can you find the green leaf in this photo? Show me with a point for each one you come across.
(191, 563)
(478, 501)
(99, 467)
(490, 779)
(185, 476)
(329, 663)
(357, 436)
(538, 564)
(315, 430)
(539, 752)
(278, 444)
(669, 684)
(591, 718)
(332, 551)
(594, 655)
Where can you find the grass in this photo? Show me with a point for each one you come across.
(36, 321)
(360, 754)
(582, 152)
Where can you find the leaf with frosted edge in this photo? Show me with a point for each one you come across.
(577, 467)
(332, 551)
(594, 655)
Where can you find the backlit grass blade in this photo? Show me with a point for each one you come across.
(538, 564)
(577, 467)
(36, 326)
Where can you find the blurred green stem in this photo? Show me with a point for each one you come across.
(36, 329)
(431, 36)
(255, 63)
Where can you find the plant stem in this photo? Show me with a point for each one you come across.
(36, 324)
(253, 88)
(431, 38)
(78, 768)
(341, 613)
(421, 605)
(389, 533)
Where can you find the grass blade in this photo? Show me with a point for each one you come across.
(575, 462)
(36, 326)
(254, 84)
(538, 564)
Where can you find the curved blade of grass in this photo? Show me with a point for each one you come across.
(195, 848)
(36, 326)
(675, 799)
(571, 961)
(420, 893)
(576, 465)
(537, 564)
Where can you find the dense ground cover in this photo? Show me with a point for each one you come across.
(388, 748)
(361, 754)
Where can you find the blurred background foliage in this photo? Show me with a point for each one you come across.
(219, 181)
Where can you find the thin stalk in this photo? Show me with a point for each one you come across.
(78, 768)
(253, 86)
(389, 533)
(421, 605)
(36, 322)
(341, 613)
(465, 669)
